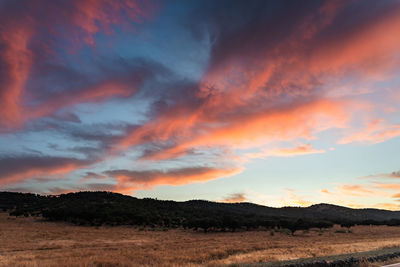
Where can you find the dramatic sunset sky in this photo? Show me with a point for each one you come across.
(272, 102)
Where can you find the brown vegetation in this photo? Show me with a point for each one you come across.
(34, 242)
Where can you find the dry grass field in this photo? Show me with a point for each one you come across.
(33, 242)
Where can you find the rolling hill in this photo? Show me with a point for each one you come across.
(97, 208)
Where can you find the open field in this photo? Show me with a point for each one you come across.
(33, 242)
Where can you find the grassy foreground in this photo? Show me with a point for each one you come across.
(34, 242)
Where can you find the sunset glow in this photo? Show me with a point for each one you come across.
(280, 103)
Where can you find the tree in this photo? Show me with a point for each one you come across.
(293, 226)
(347, 224)
(230, 222)
(323, 224)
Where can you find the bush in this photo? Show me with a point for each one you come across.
(271, 233)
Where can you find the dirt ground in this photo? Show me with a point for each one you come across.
(34, 242)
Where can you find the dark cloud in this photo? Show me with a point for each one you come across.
(93, 139)
(257, 26)
(249, 30)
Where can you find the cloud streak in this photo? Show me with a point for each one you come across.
(375, 132)
(287, 152)
(22, 167)
(129, 180)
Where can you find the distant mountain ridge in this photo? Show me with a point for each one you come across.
(320, 211)
(316, 211)
(96, 208)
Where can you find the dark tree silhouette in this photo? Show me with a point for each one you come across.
(98, 208)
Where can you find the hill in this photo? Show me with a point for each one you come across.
(97, 208)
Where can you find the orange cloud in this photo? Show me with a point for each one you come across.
(288, 152)
(235, 198)
(16, 60)
(387, 186)
(278, 93)
(326, 191)
(133, 180)
(17, 169)
(367, 48)
(308, 60)
(368, 190)
(203, 129)
(292, 70)
(355, 190)
(364, 190)
(350, 195)
(258, 69)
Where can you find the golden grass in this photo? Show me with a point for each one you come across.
(33, 242)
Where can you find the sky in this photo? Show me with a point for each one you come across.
(279, 103)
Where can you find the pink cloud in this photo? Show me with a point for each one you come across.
(23, 21)
(376, 131)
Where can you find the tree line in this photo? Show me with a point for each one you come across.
(106, 208)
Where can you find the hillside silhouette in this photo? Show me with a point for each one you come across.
(107, 208)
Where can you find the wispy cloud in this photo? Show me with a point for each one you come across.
(287, 152)
(235, 198)
(129, 180)
(375, 132)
